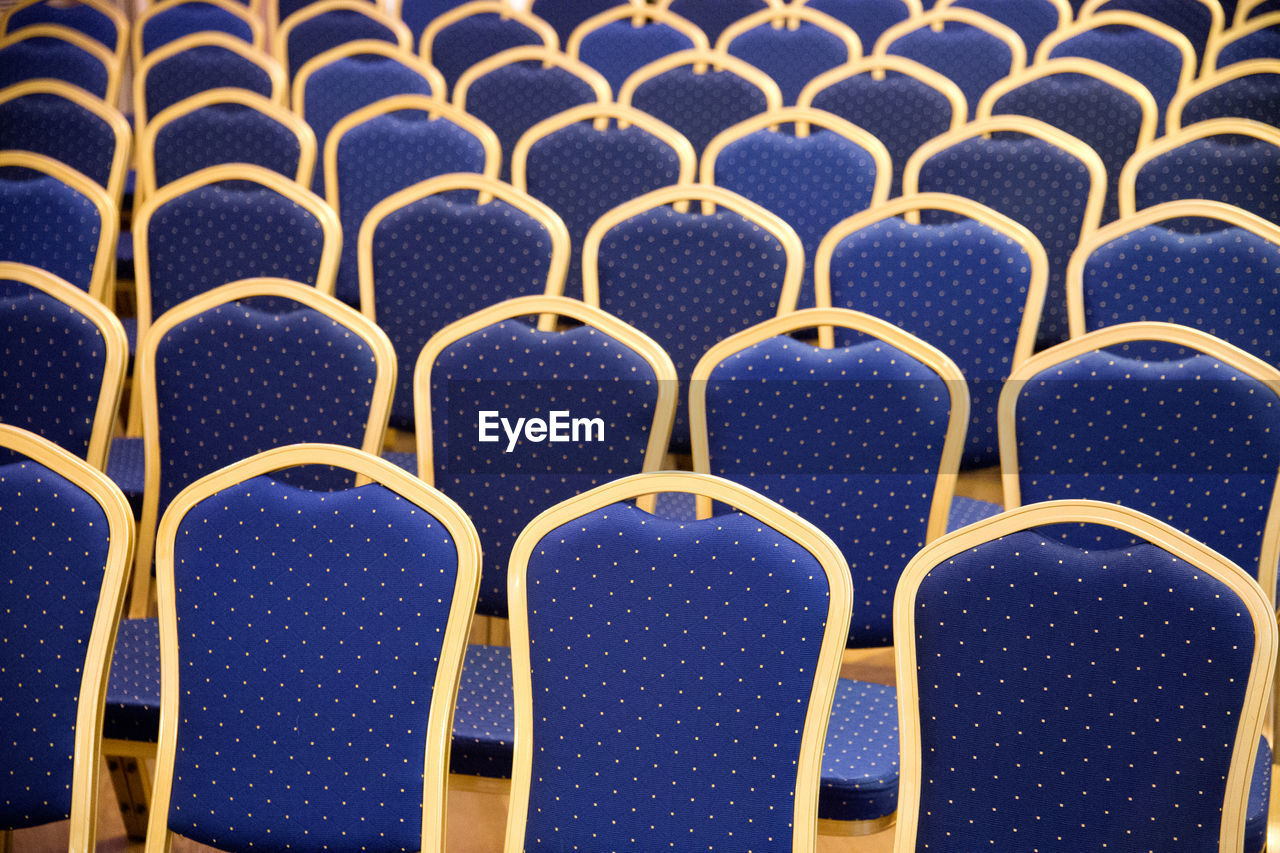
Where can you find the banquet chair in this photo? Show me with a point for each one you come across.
(416, 14)
(867, 18)
(100, 20)
(565, 16)
(624, 38)
(792, 45)
(1032, 20)
(323, 25)
(55, 52)
(1247, 10)
(1201, 21)
(1248, 89)
(1257, 38)
(276, 12)
(713, 16)
(476, 30)
(169, 20)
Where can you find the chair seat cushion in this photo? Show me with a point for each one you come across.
(484, 720)
(677, 506)
(126, 466)
(1255, 826)
(133, 691)
(965, 511)
(407, 461)
(860, 758)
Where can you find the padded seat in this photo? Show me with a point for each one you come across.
(133, 689)
(965, 511)
(126, 467)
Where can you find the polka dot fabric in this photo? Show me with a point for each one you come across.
(860, 756)
(1144, 56)
(1095, 702)
(309, 628)
(699, 105)
(712, 16)
(867, 18)
(313, 37)
(47, 224)
(565, 15)
(791, 57)
(1263, 43)
(1254, 96)
(465, 42)
(45, 56)
(59, 128)
(191, 17)
(199, 69)
(971, 58)
(224, 133)
(960, 286)
(1032, 20)
(618, 48)
(80, 17)
(672, 666)
(1189, 17)
(850, 439)
(1243, 171)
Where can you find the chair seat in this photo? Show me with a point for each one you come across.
(965, 511)
(133, 690)
(484, 721)
(677, 506)
(126, 466)
(407, 461)
(1255, 826)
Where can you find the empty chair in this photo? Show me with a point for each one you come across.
(416, 14)
(97, 19)
(1090, 683)
(900, 102)
(713, 16)
(792, 45)
(1038, 176)
(1258, 38)
(170, 20)
(564, 16)
(1246, 10)
(1248, 89)
(60, 53)
(700, 93)
(964, 278)
(1201, 21)
(622, 39)
(514, 90)
(321, 26)
(385, 753)
(447, 247)
(463, 36)
(586, 161)
(867, 18)
(1032, 20)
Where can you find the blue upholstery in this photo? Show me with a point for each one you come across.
(970, 57)
(416, 14)
(1143, 55)
(791, 57)
(48, 224)
(1189, 17)
(133, 691)
(699, 105)
(966, 511)
(867, 18)
(127, 469)
(484, 718)
(191, 17)
(1070, 720)
(584, 371)
(46, 56)
(1253, 96)
(1263, 43)
(201, 68)
(80, 17)
(1263, 8)
(1255, 830)
(58, 127)
(327, 30)
(811, 182)
(224, 133)
(581, 173)
(467, 41)
(959, 285)
(712, 16)
(385, 154)
(565, 15)
(1032, 20)
(1240, 170)
(618, 48)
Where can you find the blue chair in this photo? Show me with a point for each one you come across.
(565, 16)
(867, 18)
(169, 20)
(388, 146)
(445, 248)
(792, 45)
(1247, 10)
(1063, 718)
(463, 36)
(622, 39)
(373, 774)
(102, 21)
(64, 588)
(56, 52)
(1256, 38)
(586, 161)
(713, 16)
(962, 278)
(1202, 22)
(1038, 176)
(321, 26)
(1032, 20)
(416, 14)
(1248, 89)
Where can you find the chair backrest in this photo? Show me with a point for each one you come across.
(64, 362)
(970, 282)
(97, 19)
(513, 90)
(416, 14)
(824, 172)
(55, 218)
(390, 145)
(1201, 21)
(1035, 174)
(900, 102)
(323, 25)
(602, 376)
(200, 62)
(867, 18)
(700, 93)
(1248, 89)
(277, 12)
(586, 161)
(659, 612)
(223, 126)
(170, 20)
(622, 39)
(66, 123)
(1083, 677)
(1110, 112)
(227, 223)
(713, 16)
(463, 36)
(966, 47)
(1225, 159)
(447, 247)
(863, 440)
(1165, 419)
(56, 52)
(792, 45)
(64, 589)
(389, 657)
(1032, 20)
(1246, 10)
(1258, 38)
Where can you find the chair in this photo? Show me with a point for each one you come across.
(1075, 721)
(476, 30)
(900, 102)
(340, 81)
(66, 123)
(64, 589)
(1248, 89)
(713, 16)
(1032, 21)
(689, 279)
(1155, 54)
(56, 52)
(321, 26)
(1113, 114)
(388, 658)
(97, 19)
(581, 170)
(964, 46)
(700, 93)
(1201, 21)
(650, 611)
(388, 146)
(825, 172)
(792, 45)
(968, 280)
(445, 248)
(170, 20)
(1220, 280)
(1248, 9)
(198, 63)
(64, 362)
(513, 90)
(416, 14)
(565, 16)
(55, 218)
(1225, 159)
(622, 39)
(1258, 38)
(867, 18)
(1038, 176)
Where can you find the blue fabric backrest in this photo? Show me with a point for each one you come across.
(714, 15)
(685, 669)
(1254, 96)
(79, 17)
(47, 224)
(1032, 20)
(384, 155)
(970, 57)
(565, 15)
(1189, 17)
(199, 69)
(46, 56)
(514, 370)
(791, 57)
(1260, 44)
(308, 619)
(330, 29)
(52, 125)
(191, 17)
(960, 286)
(52, 559)
(1144, 56)
(867, 18)
(467, 41)
(699, 105)
(1240, 170)
(849, 439)
(416, 14)
(224, 133)
(618, 48)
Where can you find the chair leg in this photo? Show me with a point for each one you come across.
(132, 785)
(6, 841)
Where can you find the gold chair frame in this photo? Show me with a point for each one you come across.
(91, 46)
(790, 17)
(238, 10)
(1211, 79)
(639, 14)
(876, 66)
(503, 8)
(1124, 18)
(702, 61)
(531, 53)
(281, 30)
(937, 19)
(119, 50)
(360, 47)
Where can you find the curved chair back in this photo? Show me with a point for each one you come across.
(56, 52)
(713, 16)
(792, 45)
(880, 420)
(971, 283)
(323, 25)
(867, 18)
(464, 35)
(416, 14)
(622, 39)
(390, 745)
(170, 20)
(1246, 10)
(1248, 89)
(1082, 669)
(565, 16)
(1257, 38)
(1032, 20)
(98, 19)
(613, 388)
(64, 591)
(1201, 21)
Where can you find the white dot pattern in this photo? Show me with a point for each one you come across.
(1141, 54)
(46, 56)
(1253, 96)
(792, 57)
(618, 48)
(81, 17)
(60, 128)
(199, 69)
(478, 36)
(327, 30)
(699, 105)
(1032, 20)
(970, 57)
(224, 133)
(48, 224)
(1243, 171)
(188, 18)
(1263, 43)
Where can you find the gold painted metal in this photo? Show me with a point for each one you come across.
(117, 16)
(281, 30)
(640, 14)
(876, 66)
(1217, 20)
(1210, 79)
(939, 18)
(258, 36)
(531, 53)
(506, 10)
(360, 47)
(791, 16)
(91, 46)
(1124, 18)
(702, 61)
